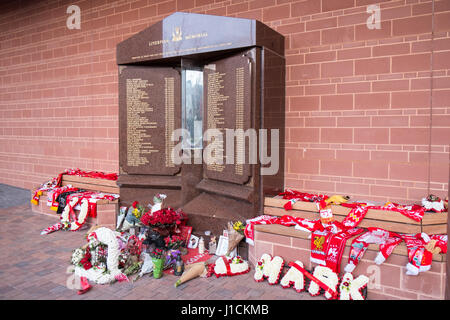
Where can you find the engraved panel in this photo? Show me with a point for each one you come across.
(149, 108)
(228, 106)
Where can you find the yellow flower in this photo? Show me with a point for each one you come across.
(237, 225)
(136, 213)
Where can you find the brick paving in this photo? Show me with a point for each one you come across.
(35, 266)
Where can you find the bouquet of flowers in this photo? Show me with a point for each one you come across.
(164, 219)
(91, 256)
(173, 242)
(239, 227)
(235, 235)
(157, 253)
(158, 260)
(237, 260)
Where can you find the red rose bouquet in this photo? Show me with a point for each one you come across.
(164, 219)
(86, 261)
(157, 253)
(173, 242)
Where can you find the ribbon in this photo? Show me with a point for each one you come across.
(322, 285)
(227, 265)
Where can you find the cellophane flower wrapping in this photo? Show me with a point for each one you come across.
(235, 235)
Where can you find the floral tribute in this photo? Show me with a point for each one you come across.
(107, 257)
(351, 289)
(294, 277)
(433, 203)
(166, 218)
(325, 279)
(269, 268)
(157, 253)
(230, 266)
(173, 242)
(322, 280)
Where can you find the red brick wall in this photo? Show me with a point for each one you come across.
(360, 118)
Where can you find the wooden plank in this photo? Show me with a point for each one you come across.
(378, 215)
(96, 181)
(339, 211)
(435, 229)
(88, 186)
(105, 201)
(273, 211)
(435, 218)
(388, 225)
(292, 232)
(432, 223)
(391, 226)
(299, 205)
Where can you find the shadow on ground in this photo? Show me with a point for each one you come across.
(12, 196)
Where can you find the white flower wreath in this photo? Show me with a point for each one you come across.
(74, 226)
(100, 275)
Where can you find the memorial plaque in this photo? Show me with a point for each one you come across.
(223, 86)
(150, 112)
(227, 84)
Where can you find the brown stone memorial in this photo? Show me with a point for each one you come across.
(201, 117)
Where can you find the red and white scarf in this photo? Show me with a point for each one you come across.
(293, 196)
(54, 186)
(414, 212)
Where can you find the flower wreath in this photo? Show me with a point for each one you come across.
(101, 275)
(230, 267)
(82, 216)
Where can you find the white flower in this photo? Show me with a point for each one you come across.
(77, 255)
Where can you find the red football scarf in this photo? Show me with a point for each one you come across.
(335, 248)
(88, 174)
(414, 212)
(355, 216)
(56, 192)
(250, 226)
(419, 257)
(56, 183)
(319, 242)
(387, 241)
(293, 196)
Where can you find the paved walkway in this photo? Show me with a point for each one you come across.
(34, 266)
(12, 196)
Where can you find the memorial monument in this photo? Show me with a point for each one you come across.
(201, 117)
